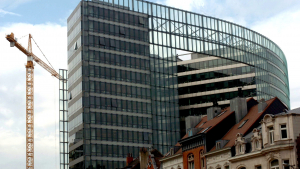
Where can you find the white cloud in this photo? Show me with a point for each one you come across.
(283, 29)
(240, 12)
(12, 4)
(3, 12)
(52, 39)
(9, 123)
(185, 5)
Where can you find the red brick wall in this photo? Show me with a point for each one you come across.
(196, 153)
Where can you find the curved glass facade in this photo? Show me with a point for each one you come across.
(122, 56)
(172, 29)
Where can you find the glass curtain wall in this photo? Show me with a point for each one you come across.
(63, 120)
(183, 30)
(129, 95)
(114, 32)
(171, 29)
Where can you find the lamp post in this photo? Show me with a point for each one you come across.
(287, 165)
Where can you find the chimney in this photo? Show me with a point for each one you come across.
(129, 159)
(143, 158)
(191, 122)
(213, 111)
(262, 104)
(239, 106)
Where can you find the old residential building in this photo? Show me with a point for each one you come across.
(173, 159)
(224, 134)
(275, 143)
(225, 148)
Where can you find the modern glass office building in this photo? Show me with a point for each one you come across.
(204, 79)
(122, 78)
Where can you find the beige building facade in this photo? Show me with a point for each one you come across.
(218, 159)
(174, 161)
(272, 145)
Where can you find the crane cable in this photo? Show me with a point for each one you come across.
(22, 37)
(42, 52)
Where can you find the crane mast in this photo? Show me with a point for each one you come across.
(29, 114)
(30, 94)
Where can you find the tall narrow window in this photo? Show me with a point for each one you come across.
(191, 164)
(257, 145)
(271, 135)
(202, 162)
(283, 131)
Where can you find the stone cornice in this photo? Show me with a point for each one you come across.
(261, 152)
(171, 157)
(214, 152)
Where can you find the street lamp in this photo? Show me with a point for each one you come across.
(287, 165)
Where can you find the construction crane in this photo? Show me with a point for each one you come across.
(30, 94)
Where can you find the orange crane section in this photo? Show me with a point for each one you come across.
(30, 94)
(28, 52)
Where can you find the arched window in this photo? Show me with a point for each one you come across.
(274, 164)
(202, 162)
(191, 161)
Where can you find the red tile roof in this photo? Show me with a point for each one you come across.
(252, 116)
(213, 122)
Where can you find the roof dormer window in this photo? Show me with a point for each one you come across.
(190, 133)
(242, 124)
(240, 144)
(205, 129)
(256, 140)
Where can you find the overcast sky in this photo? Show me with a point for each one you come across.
(46, 21)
